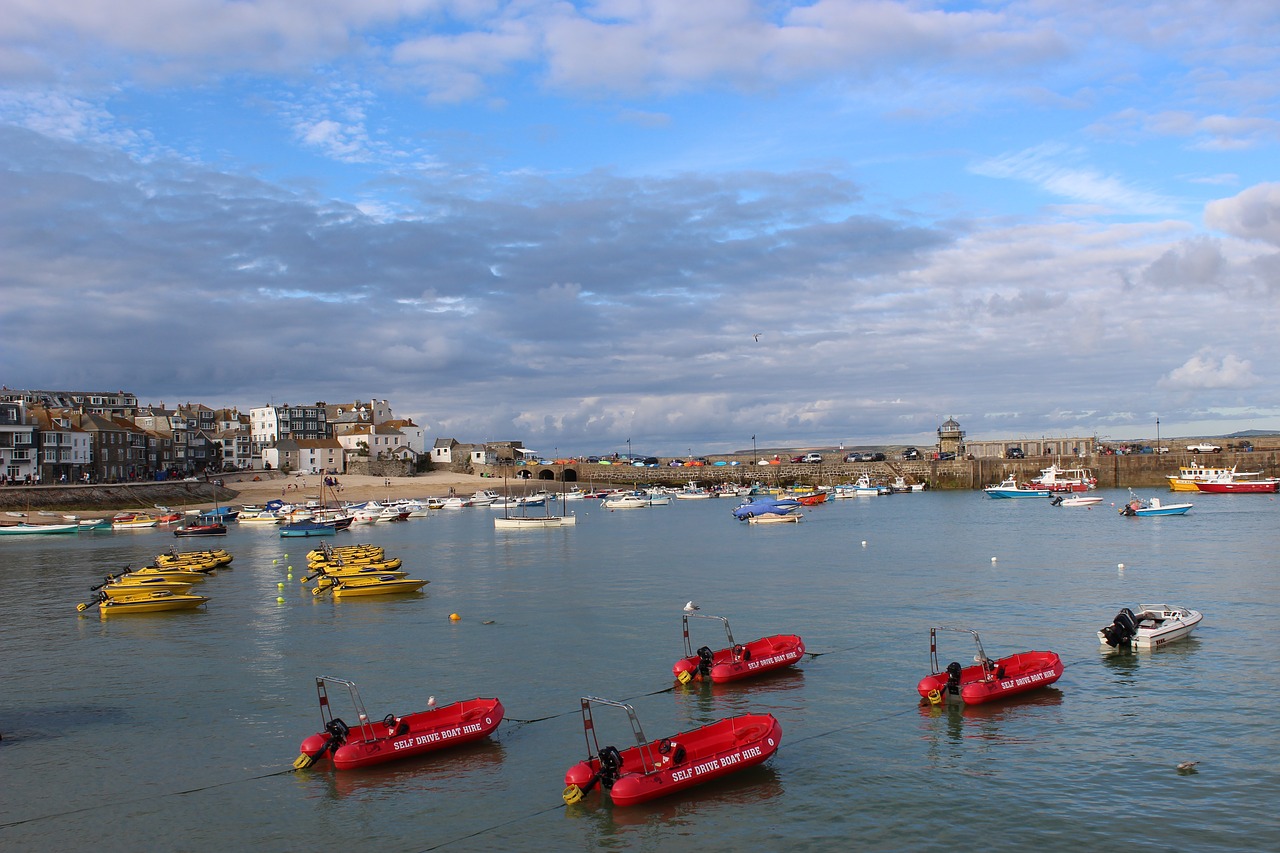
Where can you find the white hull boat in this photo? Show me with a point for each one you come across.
(1077, 500)
(1153, 626)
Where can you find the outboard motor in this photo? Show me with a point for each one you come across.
(1122, 630)
(314, 747)
(610, 766)
(705, 658)
(953, 677)
(1057, 501)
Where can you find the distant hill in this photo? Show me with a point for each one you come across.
(1252, 433)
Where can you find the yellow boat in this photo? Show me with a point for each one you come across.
(1188, 475)
(216, 558)
(344, 563)
(145, 602)
(343, 572)
(348, 552)
(383, 584)
(132, 585)
(184, 575)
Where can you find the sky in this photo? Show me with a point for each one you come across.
(687, 226)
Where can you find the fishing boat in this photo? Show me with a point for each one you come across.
(1143, 507)
(23, 528)
(1009, 488)
(1076, 500)
(1153, 626)
(1189, 475)
(146, 601)
(1239, 484)
(987, 679)
(1057, 479)
(736, 660)
(657, 768)
(393, 737)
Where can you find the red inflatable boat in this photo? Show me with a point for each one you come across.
(653, 769)
(737, 660)
(987, 679)
(393, 737)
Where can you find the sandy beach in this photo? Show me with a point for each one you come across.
(355, 488)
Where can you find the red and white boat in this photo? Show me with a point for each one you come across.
(1057, 479)
(987, 679)
(652, 769)
(1239, 484)
(737, 660)
(393, 737)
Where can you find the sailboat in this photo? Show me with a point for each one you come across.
(528, 522)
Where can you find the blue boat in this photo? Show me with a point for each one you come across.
(1009, 488)
(308, 528)
(1141, 508)
(765, 505)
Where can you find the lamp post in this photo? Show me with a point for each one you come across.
(1157, 435)
(753, 450)
(628, 450)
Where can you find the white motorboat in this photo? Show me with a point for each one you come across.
(1153, 626)
(1076, 500)
(484, 497)
(626, 500)
(533, 522)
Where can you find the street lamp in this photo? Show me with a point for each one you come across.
(753, 450)
(1157, 435)
(628, 450)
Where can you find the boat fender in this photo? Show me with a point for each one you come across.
(953, 677)
(935, 698)
(610, 766)
(705, 659)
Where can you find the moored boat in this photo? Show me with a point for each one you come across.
(1153, 626)
(145, 601)
(763, 505)
(1009, 488)
(1057, 479)
(24, 528)
(987, 679)
(133, 521)
(657, 768)
(393, 737)
(736, 660)
(1238, 485)
(382, 583)
(1076, 500)
(1144, 507)
(1189, 476)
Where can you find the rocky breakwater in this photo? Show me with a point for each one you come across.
(113, 496)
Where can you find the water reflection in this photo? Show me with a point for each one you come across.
(438, 772)
(754, 785)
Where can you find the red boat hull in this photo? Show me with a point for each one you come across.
(747, 660)
(1010, 676)
(1256, 487)
(723, 747)
(415, 734)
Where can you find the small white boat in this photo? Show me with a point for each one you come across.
(1009, 488)
(1153, 626)
(533, 522)
(627, 500)
(1076, 500)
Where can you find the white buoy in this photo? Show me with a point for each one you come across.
(1120, 566)
(993, 559)
(864, 543)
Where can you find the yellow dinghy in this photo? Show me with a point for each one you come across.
(217, 556)
(327, 575)
(145, 602)
(383, 584)
(134, 585)
(183, 575)
(374, 552)
(334, 565)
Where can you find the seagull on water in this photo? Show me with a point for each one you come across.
(1187, 766)
(690, 607)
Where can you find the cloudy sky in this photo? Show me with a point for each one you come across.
(680, 223)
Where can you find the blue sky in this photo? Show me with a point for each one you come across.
(679, 223)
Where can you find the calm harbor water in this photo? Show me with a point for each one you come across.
(177, 731)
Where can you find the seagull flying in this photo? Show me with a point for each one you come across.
(690, 607)
(757, 337)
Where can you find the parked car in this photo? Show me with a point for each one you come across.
(797, 459)
(1015, 453)
(911, 453)
(1203, 447)
(942, 457)
(812, 457)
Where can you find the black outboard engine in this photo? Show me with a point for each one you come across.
(953, 677)
(610, 766)
(339, 730)
(1122, 630)
(705, 658)
(1057, 501)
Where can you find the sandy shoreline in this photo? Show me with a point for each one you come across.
(356, 487)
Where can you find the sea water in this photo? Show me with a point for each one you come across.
(177, 731)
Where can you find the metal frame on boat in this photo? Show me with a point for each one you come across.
(393, 737)
(737, 660)
(652, 769)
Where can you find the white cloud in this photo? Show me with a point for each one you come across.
(1204, 371)
(1253, 214)
(1053, 168)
